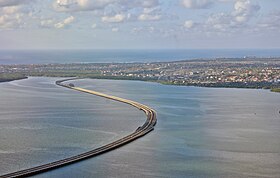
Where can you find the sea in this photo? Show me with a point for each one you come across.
(201, 132)
(123, 56)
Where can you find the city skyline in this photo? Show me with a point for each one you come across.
(124, 24)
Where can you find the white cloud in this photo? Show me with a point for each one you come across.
(270, 22)
(59, 25)
(149, 17)
(189, 24)
(130, 4)
(11, 17)
(151, 29)
(4, 3)
(65, 22)
(11, 21)
(69, 20)
(225, 0)
(241, 19)
(244, 10)
(197, 4)
(218, 22)
(47, 23)
(52, 23)
(93, 5)
(201, 4)
(149, 3)
(93, 26)
(150, 14)
(113, 19)
(115, 29)
(15, 13)
(114, 11)
(80, 5)
(10, 9)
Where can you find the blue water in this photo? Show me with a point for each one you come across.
(201, 132)
(100, 56)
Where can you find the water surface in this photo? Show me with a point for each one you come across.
(105, 56)
(201, 132)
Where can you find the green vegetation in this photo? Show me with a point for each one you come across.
(226, 73)
(275, 90)
(11, 77)
(96, 75)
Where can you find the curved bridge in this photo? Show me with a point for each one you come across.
(147, 127)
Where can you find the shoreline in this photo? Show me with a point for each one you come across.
(248, 72)
(10, 80)
(185, 85)
(210, 85)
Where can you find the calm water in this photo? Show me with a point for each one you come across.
(99, 56)
(201, 132)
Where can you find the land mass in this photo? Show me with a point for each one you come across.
(10, 77)
(249, 72)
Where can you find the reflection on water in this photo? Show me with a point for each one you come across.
(201, 132)
(41, 122)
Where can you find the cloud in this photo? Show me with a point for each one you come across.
(150, 14)
(149, 17)
(92, 5)
(65, 22)
(189, 24)
(115, 11)
(113, 19)
(11, 17)
(270, 22)
(4, 3)
(219, 21)
(10, 9)
(130, 4)
(93, 26)
(52, 23)
(47, 23)
(197, 4)
(149, 3)
(80, 5)
(14, 13)
(115, 29)
(201, 4)
(7, 21)
(244, 10)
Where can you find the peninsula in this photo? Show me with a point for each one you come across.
(10, 77)
(247, 72)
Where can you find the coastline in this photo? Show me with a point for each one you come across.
(9, 79)
(209, 85)
(252, 73)
(276, 90)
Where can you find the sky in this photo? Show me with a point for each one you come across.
(139, 24)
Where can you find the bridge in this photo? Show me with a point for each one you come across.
(147, 127)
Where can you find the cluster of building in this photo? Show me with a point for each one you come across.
(189, 72)
(204, 71)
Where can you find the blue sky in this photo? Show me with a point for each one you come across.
(139, 24)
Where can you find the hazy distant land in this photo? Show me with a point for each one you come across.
(222, 72)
